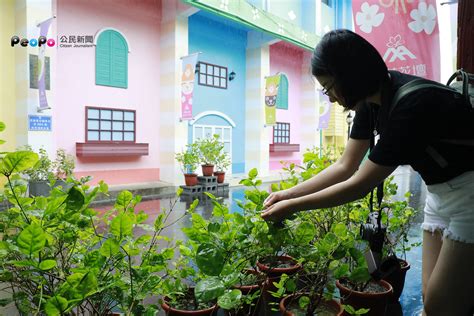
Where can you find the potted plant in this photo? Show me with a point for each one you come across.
(222, 163)
(321, 253)
(188, 160)
(63, 165)
(359, 290)
(40, 176)
(225, 259)
(209, 150)
(47, 173)
(185, 292)
(59, 257)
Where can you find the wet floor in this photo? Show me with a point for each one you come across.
(404, 177)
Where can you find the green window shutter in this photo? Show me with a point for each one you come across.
(111, 60)
(282, 98)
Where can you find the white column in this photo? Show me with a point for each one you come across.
(173, 134)
(256, 135)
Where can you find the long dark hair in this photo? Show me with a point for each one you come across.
(356, 66)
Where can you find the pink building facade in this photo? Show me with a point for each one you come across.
(292, 68)
(76, 88)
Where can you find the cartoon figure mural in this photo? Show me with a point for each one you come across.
(187, 86)
(271, 92)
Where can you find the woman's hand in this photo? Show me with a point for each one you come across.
(278, 211)
(275, 197)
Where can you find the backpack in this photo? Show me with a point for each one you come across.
(462, 89)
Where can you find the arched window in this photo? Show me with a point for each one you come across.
(282, 98)
(111, 59)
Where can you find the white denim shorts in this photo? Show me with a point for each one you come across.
(450, 208)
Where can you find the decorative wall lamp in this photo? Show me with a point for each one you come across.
(231, 75)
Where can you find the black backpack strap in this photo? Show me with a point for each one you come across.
(416, 85)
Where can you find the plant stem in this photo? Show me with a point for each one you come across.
(17, 201)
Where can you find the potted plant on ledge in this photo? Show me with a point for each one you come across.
(209, 150)
(188, 160)
(222, 163)
(47, 174)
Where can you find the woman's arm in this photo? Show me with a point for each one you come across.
(367, 178)
(340, 171)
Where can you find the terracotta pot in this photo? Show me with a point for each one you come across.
(190, 179)
(269, 271)
(220, 176)
(273, 275)
(397, 280)
(248, 310)
(170, 311)
(332, 304)
(376, 302)
(207, 170)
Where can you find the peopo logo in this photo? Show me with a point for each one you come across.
(397, 50)
(42, 40)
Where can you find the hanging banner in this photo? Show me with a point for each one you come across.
(43, 101)
(187, 85)
(271, 93)
(405, 32)
(324, 111)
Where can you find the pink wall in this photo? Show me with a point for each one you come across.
(288, 59)
(139, 23)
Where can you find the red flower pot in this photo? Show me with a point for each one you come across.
(277, 271)
(330, 306)
(376, 302)
(220, 176)
(170, 311)
(247, 310)
(190, 179)
(207, 170)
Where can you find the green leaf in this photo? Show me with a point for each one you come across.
(179, 191)
(305, 232)
(84, 284)
(54, 204)
(209, 259)
(209, 289)
(246, 182)
(17, 161)
(159, 221)
(193, 206)
(47, 264)
(55, 305)
(123, 199)
(340, 230)
(75, 199)
(109, 248)
(360, 275)
(275, 187)
(303, 302)
(121, 226)
(349, 309)
(141, 217)
(230, 299)
(2, 126)
(103, 187)
(213, 227)
(253, 173)
(32, 239)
